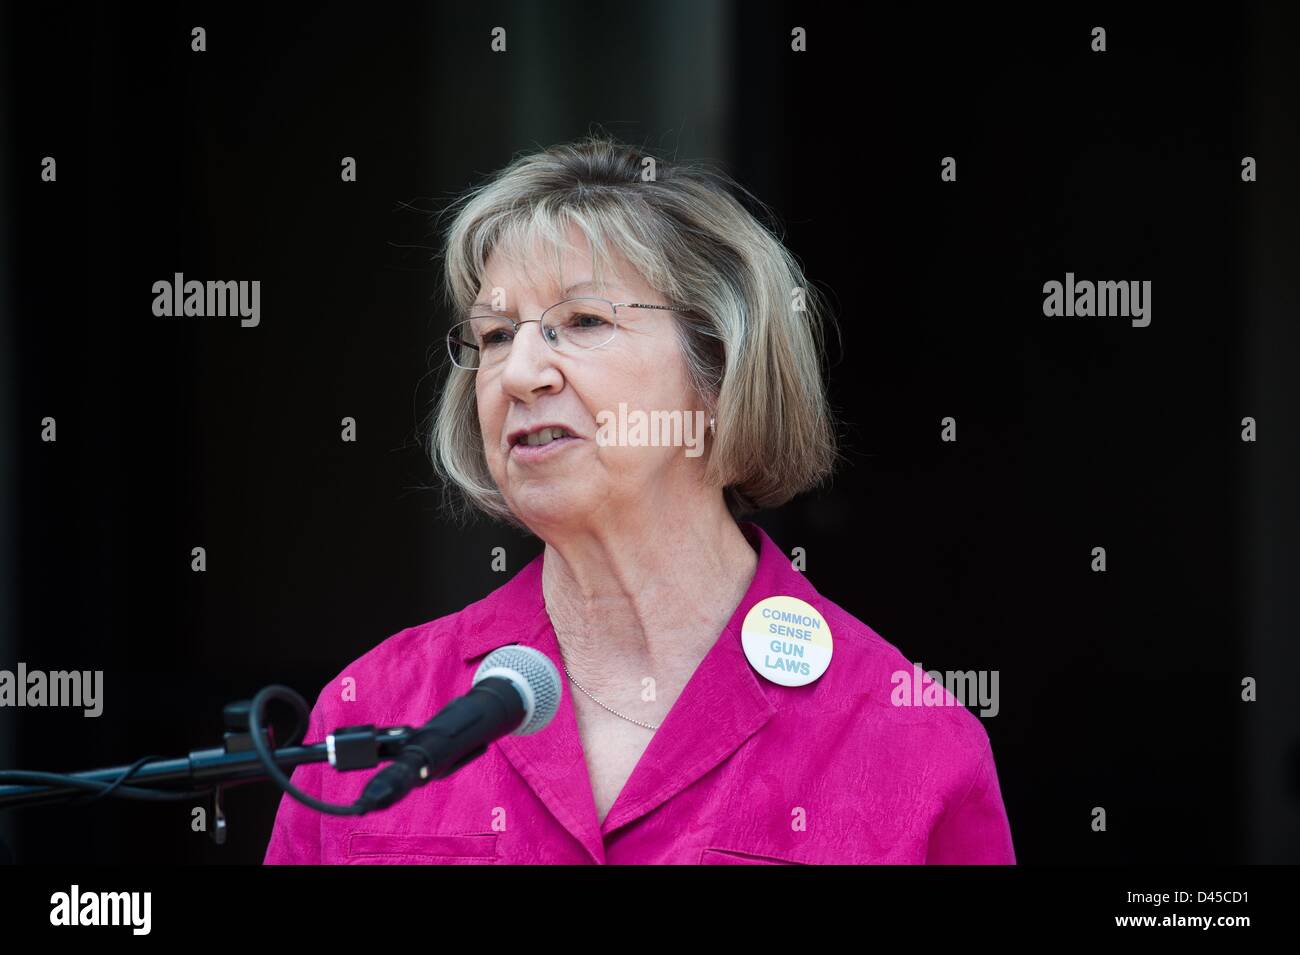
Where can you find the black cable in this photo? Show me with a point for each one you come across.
(87, 800)
(290, 696)
(118, 790)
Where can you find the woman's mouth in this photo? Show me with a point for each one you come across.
(542, 444)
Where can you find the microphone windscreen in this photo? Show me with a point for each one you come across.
(533, 674)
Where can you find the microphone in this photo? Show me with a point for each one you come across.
(516, 691)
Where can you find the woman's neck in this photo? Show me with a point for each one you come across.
(646, 597)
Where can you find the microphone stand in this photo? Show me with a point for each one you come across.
(235, 761)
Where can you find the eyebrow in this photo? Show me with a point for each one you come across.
(563, 295)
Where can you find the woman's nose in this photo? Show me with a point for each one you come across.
(530, 363)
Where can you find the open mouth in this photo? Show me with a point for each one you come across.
(541, 437)
(541, 443)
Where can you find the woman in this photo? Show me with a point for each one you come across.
(719, 710)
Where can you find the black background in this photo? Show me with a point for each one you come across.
(1119, 690)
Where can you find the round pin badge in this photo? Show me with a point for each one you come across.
(786, 640)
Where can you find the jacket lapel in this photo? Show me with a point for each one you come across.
(551, 760)
(722, 705)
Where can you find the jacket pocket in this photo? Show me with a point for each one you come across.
(716, 856)
(420, 848)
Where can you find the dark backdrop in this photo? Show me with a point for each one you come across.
(1119, 690)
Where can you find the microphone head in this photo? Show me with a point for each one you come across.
(533, 675)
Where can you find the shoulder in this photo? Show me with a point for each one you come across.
(889, 706)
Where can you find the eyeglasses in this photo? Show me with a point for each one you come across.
(573, 326)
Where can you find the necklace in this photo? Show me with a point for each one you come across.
(592, 698)
(600, 704)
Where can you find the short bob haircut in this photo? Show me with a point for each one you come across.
(753, 342)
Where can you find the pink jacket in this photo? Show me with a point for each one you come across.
(741, 770)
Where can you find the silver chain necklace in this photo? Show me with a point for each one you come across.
(592, 698)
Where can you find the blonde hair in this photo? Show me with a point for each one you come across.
(753, 340)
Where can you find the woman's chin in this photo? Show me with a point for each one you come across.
(545, 510)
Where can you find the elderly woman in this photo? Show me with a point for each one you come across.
(635, 364)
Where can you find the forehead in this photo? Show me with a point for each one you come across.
(546, 272)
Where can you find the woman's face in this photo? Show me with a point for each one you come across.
(582, 481)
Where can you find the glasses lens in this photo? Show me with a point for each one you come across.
(580, 323)
(482, 340)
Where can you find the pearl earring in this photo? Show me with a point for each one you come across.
(713, 429)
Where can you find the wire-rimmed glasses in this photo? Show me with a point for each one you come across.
(572, 326)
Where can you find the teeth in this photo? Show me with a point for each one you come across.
(545, 436)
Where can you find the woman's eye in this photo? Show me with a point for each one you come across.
(595, 320)
(496, 338)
